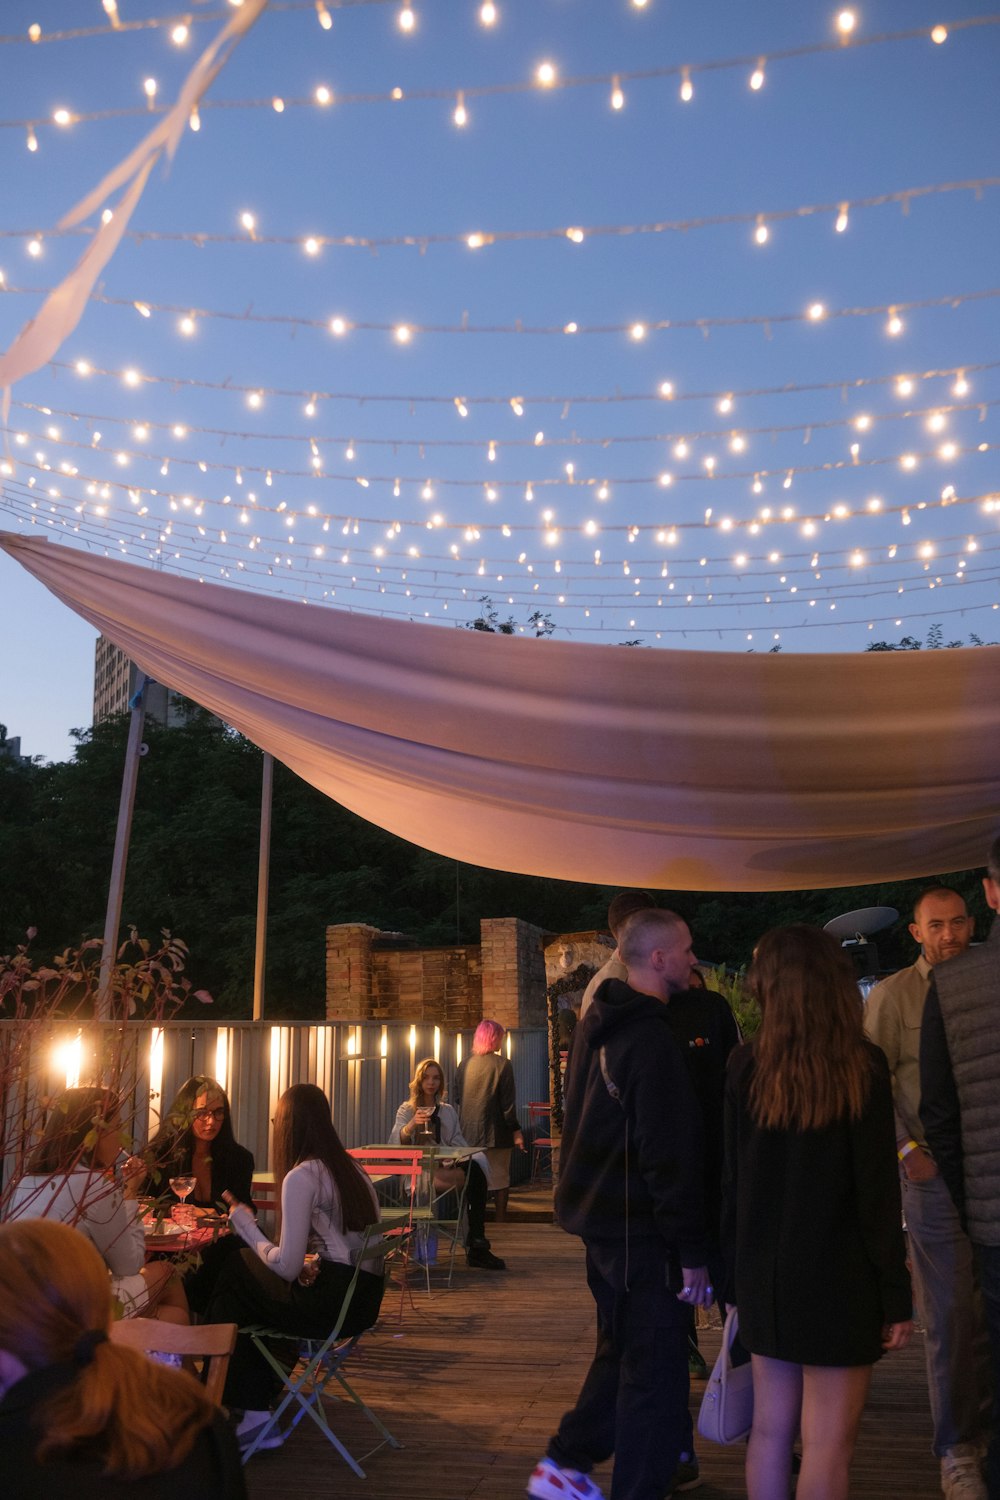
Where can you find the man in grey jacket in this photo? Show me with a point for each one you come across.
(960, 1110)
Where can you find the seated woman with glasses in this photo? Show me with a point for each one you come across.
(196, 1140)
(425, 1114)
(79, 1174)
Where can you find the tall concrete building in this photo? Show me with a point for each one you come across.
(115, 681)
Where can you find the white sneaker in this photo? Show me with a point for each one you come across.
(961, 1478)
(549, 1482)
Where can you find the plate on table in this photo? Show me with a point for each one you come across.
(163, 1229)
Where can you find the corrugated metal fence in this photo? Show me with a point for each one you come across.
(363, 1067)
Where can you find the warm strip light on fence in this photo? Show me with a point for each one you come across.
(67, 1058)
(222, 1045)
(155, 1079)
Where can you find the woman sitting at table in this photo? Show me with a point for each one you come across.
(327, 1205)
(77, 1183)
(84, 1417)
(196, 1140)
(425, 1112)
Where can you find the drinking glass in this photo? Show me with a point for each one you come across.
(183, 1187)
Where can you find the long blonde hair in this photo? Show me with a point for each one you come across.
(55, 1307)
(811, 1064)
(416, 1082)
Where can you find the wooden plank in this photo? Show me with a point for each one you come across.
(474, 1380)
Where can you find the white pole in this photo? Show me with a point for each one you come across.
(263, 866)
(116, 888)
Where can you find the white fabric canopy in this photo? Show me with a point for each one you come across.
(680, 770)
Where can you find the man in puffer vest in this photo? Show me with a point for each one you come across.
(960, 1110)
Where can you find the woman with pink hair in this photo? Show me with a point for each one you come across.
(484, 1092)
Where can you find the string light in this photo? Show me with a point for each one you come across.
(62, 117)
(323, 16)
(323, 94)
(488, 13)
(687, 87)
(757, 76)
(179, 34)
(617, 97)
(149, 87)
(545, 75)
(846, 22)
(761, 234)
(939, 35)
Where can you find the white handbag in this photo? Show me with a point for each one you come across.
(726, 1414)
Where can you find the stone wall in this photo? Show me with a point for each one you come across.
(503, 978)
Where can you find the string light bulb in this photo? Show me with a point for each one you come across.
(895, 325)
(194, 121)
(687, 87)
(757, 76)
(939, 35)
(32, 140)
(816, 312)
(248, 222)
(179, 34)
(488, 13)
(841, 223)
(460, 114)
(323, 95)
(846, 22)
(323, 16)
(407, 19)
(617, 97)
(402, 333)
(545, 75)
(62, 117)
(761, 234)
(34, 32)
(338, 327)
(149, 86)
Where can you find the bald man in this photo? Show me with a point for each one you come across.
(941, 1256)
(631, 1186)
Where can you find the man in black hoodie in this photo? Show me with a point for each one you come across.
(631, 1185)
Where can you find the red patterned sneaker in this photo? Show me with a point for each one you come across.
(549, 1482)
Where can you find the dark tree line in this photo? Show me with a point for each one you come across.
(193, 871)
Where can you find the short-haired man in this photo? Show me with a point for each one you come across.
(960, 1110)
(630, 1184)
(622, 906)
(940, 1252)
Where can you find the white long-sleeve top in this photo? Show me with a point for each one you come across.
(92, 1203)
(311, 1219)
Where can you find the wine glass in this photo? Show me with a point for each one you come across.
(183, 1187)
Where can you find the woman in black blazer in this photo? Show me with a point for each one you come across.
(811, 1218)
(196, 1140)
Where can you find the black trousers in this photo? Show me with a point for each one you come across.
(249, 1292)
(634, 1400)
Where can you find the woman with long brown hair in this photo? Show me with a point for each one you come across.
(75, 1175)
(327, 1204)
(80, 1415)
(811, 1221)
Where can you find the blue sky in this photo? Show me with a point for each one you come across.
(865, 531)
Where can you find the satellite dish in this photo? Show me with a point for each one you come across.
(859, 925)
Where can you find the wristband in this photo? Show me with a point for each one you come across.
(905, 1150)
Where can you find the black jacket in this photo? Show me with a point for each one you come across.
(705, 1030)
(632, 1165)
(211, 1470)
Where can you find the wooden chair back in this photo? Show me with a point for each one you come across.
(211, 1342)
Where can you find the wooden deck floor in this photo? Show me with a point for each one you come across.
(474, 1381)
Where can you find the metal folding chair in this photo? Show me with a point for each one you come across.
(312, 1365)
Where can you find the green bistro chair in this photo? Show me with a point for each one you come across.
(310, 1367)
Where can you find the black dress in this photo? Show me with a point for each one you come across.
(812, 1228)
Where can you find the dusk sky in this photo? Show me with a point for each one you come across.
(806, 457)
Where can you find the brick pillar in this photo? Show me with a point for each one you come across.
(349, 971)
(513, 972)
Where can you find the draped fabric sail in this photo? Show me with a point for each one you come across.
(680, 770)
